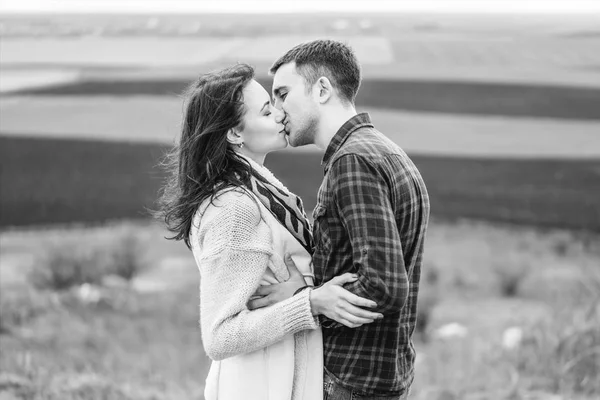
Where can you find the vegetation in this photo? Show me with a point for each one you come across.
(69, 263)
(127, 343)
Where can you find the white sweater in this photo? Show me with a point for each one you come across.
(269, 353)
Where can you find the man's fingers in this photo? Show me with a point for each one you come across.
(358, 301)
(352, 322)
(356, 320)
(263, 290)
(269, 279)
(348, 323)
(259, 303)
(342, 279)
(360, 313)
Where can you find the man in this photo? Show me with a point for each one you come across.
(371, 216)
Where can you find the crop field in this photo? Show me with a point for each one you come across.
(47, 181)
(511, 100)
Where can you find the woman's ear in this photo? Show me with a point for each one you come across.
(324, 89)
(234, 137)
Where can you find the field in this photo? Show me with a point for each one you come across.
(101, 180)
(142, 341)
(500, 114)
(426, 96)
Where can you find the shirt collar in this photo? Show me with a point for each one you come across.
(354, 123)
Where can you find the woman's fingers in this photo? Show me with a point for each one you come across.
(291, 266)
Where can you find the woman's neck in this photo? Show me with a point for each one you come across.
(257, 158)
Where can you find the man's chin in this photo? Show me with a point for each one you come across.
(296, 144)
(293, 142)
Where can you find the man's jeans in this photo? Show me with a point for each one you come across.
(334, 391)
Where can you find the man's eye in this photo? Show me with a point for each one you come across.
(267, 113)
(283, 96)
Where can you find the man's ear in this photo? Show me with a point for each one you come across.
(234, 137)
(323, 89)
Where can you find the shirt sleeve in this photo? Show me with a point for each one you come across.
(236, 247)
(362, 198)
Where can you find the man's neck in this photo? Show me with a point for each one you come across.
(331, 124)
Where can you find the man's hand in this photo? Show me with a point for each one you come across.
(340, 305)
(330, 299)
(271, 294)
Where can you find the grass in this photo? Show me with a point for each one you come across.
(148, 346)
(514, 100)
(46, 181)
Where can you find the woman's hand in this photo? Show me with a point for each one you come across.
(338, 304)
(271, 294)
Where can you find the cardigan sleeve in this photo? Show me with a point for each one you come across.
(236, 246)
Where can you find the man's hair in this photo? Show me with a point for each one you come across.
(329, 58)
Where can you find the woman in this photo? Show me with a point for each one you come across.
(240, 222)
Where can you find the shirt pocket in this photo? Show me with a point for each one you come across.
(321, 227)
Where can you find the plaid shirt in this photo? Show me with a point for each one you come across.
(370, 219)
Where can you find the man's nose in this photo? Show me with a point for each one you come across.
(279, 115)
(276, 103)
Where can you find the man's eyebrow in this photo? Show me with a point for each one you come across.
(264, 105)
(277, 90)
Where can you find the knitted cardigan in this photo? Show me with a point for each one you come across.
(265, 353)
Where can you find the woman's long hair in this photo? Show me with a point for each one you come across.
(203, 162)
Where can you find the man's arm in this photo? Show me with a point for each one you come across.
(330, 299)
(362, 198)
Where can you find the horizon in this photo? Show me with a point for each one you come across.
(290, 6)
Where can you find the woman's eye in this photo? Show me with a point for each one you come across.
(267, 113)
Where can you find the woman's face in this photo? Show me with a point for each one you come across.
(262, 133)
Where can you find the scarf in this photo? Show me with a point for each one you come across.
(285, 206)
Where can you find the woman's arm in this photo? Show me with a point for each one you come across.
(236, 246)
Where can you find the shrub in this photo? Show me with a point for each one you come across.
(510, 276)
(19, 306)
(428, 299)
(563, 355)
(65, 265)
(74, 262)
(125, 253)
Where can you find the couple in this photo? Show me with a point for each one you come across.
(286, 311)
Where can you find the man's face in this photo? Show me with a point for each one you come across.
(300, 108)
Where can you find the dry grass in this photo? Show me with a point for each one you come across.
(136, 345)
(146, 348)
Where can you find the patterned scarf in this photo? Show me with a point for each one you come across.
(285, 206)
